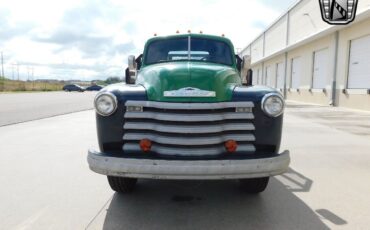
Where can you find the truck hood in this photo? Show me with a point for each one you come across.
(176, 78)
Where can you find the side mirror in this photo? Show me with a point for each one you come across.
(246, 70)
(130, 76)
(139, 62)
(134, 66)
(239, 63)
(246, 63)
(130, 72)
(249, 78)
(131, 62)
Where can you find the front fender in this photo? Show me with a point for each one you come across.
(110, 129)
(268, 130)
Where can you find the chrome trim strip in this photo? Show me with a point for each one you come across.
(189, 106)
(185, 169)
(189, 117)
(189, 141)
(189, 92)
(186, 151)
(188, 129)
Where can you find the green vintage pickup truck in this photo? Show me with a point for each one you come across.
(184, 114)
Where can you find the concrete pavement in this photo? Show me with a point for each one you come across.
(46, 183)
(21, 107)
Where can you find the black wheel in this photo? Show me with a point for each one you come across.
(254, 185)
(122, 184)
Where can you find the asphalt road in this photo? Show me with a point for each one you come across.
(46, 184)
(21, 107)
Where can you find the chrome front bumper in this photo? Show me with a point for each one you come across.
(188, 170)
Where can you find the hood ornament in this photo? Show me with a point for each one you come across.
(189, 92)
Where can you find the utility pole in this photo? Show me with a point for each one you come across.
(18, 70)
(2, 71)
(2, 64)
(33, 80)
(13, 71)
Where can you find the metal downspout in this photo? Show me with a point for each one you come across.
(286, 55)
(334, 101)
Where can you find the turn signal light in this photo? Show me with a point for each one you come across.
(145, 145)
(231, 146)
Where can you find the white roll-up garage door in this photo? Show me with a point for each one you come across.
(260, 77)
(256, 75)
(269, 79)
(359, 64)
(296, 73)
(280, 76)
(320, 69)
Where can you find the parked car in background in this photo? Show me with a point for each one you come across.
(73, 87)
(94, 88)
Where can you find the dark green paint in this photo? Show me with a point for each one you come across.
(176, 75)
(157, 78)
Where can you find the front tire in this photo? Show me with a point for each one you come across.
(254, 185)
(122, 184)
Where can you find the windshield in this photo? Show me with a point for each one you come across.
(177, 49)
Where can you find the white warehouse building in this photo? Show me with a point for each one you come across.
(312, 61)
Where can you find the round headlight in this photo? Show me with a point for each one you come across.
(105, 103)
(273, 104)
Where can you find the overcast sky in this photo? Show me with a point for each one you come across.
(91, 39)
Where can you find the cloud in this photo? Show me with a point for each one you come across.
(9, 30)
(87, 39)
(89, 45)
(130, 27)
(278, 5)
(259, 24)
(80, 28)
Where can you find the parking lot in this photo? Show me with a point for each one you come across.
(46, 183)
(21, 107)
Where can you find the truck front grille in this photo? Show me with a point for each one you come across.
(189, 129)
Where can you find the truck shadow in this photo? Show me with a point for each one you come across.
(209, 205)
(295, 181)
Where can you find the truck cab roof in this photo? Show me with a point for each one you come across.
(216, 39)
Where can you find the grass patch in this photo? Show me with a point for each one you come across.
(7, 85)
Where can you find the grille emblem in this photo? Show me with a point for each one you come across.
(189, 92)
(338, 12)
